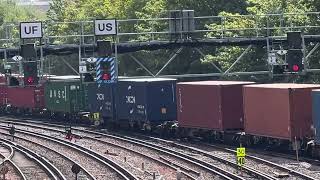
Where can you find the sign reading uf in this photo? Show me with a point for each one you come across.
(30, 30)
(105, 27)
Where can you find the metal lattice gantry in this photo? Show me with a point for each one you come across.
(208, 30)
(157, 29)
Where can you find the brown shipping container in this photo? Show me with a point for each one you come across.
(281, 111)
(211, 105)
(3, 94)
(26, 97)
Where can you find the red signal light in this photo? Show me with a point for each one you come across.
(106, 76)
(30, 80)
(295, 68)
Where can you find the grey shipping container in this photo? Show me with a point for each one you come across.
(100, 99)
(281, 111)
(146, 100)
(316, 114)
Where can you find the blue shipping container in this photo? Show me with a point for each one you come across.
(100, 99)
(146, 100)
(316, 114)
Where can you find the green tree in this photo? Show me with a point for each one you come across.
(235, 25)
(189, 61)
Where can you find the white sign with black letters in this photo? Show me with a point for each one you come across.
(105, 27)
(30, 30)
(82, 69)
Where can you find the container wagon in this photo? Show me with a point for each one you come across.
(25, 100)
(278, 114)
(101, 102)
(210, 108)
(145, 103)
(66, 99)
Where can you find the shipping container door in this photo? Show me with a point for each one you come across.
(108, 102)
(301, 113)
(130, 100)
(38, 96)
(267, 112)
(199, 106)
(85, 98)
(232, 107)
(140, 106)
(93, 102)
(75, 99)
(162, 101)
(316, 114)
(3, 94)
(67, 98)
(126, 100)
(100, 99)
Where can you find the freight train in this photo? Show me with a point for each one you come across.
(277, 115)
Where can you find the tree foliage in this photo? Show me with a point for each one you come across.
(228, 23)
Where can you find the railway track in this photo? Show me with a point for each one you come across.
(29, 164)
(59, 163)
(273, 169)
(201, 157)
(201, 173)
(96, 164)
(12, 170)
(283, 162)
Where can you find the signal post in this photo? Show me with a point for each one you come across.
(106, 65)
(27, 59)
(29, 64)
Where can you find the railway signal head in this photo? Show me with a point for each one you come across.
(105, 70)
(294, 60)
(30, 71)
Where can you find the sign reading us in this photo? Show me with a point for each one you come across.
(105, 27)
(30, 30)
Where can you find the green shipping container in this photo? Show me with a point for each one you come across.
(66, 96)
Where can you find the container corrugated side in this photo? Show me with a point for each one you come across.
(278, 112)
(198, 106)
(63, 96)
(100, 99)
(3, 94)
(316, 114)
(211, 105)
(26, 97)
(152, 101)
(161, 101)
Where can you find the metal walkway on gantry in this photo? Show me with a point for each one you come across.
(151, 34)
(61, 38)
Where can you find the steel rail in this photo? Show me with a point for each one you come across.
(185, 157)
(43, 163)
(8, 159)
(204, 165)
(61, 176)
(288, 170)
(107, 162)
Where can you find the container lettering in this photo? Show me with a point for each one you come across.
(131, 99)
(100, 97)
(57, 94)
